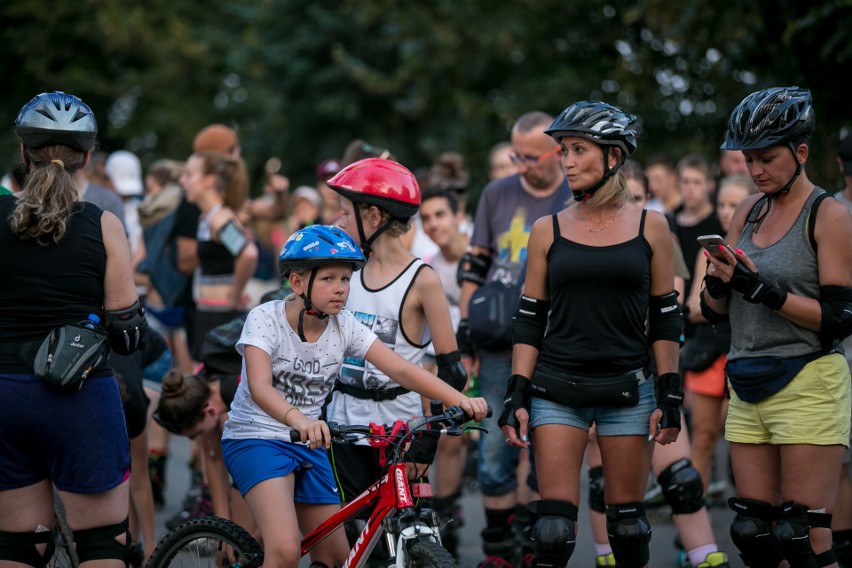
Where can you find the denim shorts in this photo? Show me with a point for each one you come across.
(497, 459)
(252, 461)
(623, 421)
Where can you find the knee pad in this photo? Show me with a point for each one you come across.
(629, 534)
(596, 490)
(21, 547)
(751, 532)
(682, 487)
(100, 543)
(791, 537)
(553, 533)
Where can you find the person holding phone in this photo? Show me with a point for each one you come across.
(787, 292)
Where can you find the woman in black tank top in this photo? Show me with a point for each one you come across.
(592, 272)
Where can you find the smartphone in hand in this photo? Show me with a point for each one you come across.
(711, 244)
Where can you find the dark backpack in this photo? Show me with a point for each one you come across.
(161, 263)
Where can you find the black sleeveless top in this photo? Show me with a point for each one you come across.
(599, 303)
(43, 287)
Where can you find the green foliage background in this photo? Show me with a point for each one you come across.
(301, 79)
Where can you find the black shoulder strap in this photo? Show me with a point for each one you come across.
(812, 215)
(556, 232)
(642, 223)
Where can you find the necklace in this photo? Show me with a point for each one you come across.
(607, 226)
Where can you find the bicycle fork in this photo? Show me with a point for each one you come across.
(406, 524)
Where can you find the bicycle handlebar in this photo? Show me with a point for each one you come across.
(453, 418)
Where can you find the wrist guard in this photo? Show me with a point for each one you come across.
(669, 399)
(463, 339)
(716, 287)
(451, 370)
(755, 289)
(473, 268)
(517, 396)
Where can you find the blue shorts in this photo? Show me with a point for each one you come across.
(623, 421)
(254, 460)
(76, 439)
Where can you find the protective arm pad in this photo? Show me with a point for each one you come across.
(530, 321)
(126, 329)
(451, 370)
(709, 314)
(670, 399)
(755, 289)
(664, 318)
(517, 396)
(836, 305)
(473, 268)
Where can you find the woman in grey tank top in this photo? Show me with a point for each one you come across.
(785, 284)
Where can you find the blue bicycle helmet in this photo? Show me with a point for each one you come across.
(603, 124)
(317, 245)
(57, 119)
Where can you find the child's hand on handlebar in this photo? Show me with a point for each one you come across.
(476, 408)
(316, 432)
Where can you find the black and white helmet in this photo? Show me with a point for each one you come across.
(778, 115)
(600, 122)
(57, 119)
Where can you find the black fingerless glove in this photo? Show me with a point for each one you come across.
(463, 339)
(755, 289)
(517, 396)
(669, 399)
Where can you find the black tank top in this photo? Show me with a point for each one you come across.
(43, 287)
(599, 302)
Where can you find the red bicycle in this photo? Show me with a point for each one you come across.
(412, 535)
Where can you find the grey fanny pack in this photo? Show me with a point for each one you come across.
(69, 353)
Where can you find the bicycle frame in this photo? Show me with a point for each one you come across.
(387, 496)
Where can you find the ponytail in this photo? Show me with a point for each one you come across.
(47, 199)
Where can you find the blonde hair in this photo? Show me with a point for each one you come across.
(614, 191)
(47, 199)
(396, 226)
(740, 180)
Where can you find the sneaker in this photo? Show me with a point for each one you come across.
(605, 560)
(715, 560)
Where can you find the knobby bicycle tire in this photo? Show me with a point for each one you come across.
(428, 554)
(195, 543)
(64, 554)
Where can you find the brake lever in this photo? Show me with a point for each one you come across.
(474, 427)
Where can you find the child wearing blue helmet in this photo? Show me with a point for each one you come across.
(293, 351)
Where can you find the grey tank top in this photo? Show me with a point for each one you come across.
(791, 264)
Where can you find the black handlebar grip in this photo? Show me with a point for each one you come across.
(295, 436)
(489, 412)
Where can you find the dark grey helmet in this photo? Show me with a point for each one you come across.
(57, 119)
(770, 117)
(600, 122)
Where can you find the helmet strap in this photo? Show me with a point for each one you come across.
(309, 308)
(580, 195)
(366, 244)
(783, 191)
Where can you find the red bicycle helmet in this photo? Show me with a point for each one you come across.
(383, 183)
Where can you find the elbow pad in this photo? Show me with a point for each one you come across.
(709, 314)
(665, 320)
(126, 329)
(836, 305)
(473, 268)
(530, 321)
(451, 370)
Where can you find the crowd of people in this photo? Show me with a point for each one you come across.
(635, 344)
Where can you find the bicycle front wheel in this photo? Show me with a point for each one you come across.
(428, 554)
(207, 542)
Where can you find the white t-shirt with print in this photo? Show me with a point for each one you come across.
(303, 373)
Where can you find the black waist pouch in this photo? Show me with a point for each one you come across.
(588, 392)
(757, 378)
(69, 353)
